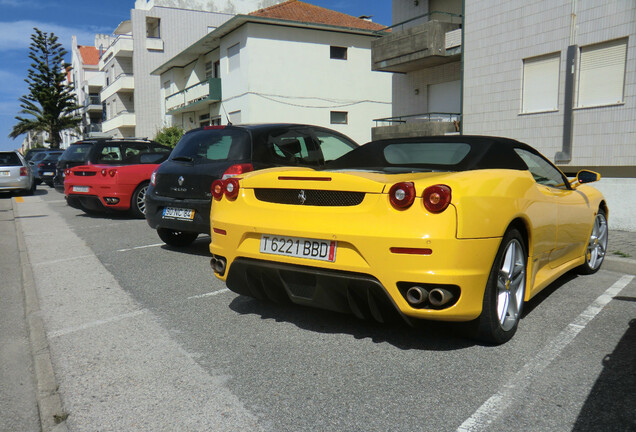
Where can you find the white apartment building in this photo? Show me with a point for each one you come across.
(558, 75)
(156, 31)
(269, 66)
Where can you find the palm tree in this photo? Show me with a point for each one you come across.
(50, 102)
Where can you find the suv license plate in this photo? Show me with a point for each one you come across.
(322, 250)
(178, 213)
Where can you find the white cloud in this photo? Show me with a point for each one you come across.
(17, 35)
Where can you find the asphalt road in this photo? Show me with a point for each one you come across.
(143, 337)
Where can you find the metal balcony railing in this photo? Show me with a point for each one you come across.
(430, 16)
(209, 89)
(425, 117)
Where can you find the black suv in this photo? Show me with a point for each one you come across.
(179, 197)
(91, 151)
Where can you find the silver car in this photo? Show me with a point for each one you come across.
(15, 173)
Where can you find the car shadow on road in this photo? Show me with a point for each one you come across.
(200, 247)
(529, 306)
(424, 335)
(610, 404)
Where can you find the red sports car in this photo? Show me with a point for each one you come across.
(104, 187)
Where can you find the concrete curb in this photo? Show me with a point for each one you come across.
(620, 265)
(52, 415)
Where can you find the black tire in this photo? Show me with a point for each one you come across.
(596, 246)
(176, 238)
(505, 289)
(138, 201)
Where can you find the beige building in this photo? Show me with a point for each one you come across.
(558, 75)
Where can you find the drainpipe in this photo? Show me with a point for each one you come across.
(565, 155)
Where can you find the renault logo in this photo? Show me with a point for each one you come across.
(180, 180)
(302, 197)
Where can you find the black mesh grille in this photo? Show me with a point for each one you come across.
(309, 197)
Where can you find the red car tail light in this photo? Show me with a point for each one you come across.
(213, 127)
(24, 172)
(68, 172)
(402, 195)
(41, 165)
(112, 172)
(217, 189)
(237, 169)
(104, 172)
(437, 198)
(231, 188)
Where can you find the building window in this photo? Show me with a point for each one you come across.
(337, 52)
(602, 73)
(216, 121)
(339, 117)
(153, 28)
(208, 69)
(233, 57)
(540, 84)
(235, 117)
(217, 69)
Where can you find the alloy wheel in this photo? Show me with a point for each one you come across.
(597, 246)
(511, 283)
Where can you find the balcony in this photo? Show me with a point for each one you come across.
(123, 119)
(194, 97)
(93, 104)
(427, 124)
(418, 43)
(154, 44)
(122, 46)
(123, 83)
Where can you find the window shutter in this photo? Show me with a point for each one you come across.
(541, 84)
(602, 73)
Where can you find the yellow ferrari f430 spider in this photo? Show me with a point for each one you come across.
(454, 228)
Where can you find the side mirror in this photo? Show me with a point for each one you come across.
(586, 176)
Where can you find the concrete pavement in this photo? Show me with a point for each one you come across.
(28, 394)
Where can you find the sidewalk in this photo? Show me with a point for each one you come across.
(621, 254)
(18, 402)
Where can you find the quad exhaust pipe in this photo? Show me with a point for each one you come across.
(437, 297)
(218, 264)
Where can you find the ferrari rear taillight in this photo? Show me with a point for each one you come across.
(110, 172)
(231, 188)
(68, 172)
(217, 189)
(437, 198)
(24, 172)
(228, 187)
(402, 195)
(237, 169)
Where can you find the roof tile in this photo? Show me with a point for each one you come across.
(89, 54)
(294, 10)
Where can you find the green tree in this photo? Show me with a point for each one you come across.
(50, 103)
(169, 135)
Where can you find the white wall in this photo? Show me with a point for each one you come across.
(286, 75)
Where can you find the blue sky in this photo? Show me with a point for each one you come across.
(84, 18)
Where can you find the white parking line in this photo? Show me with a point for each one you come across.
(96, 323)
(63, 260)
(221, 291)
(500, 401)
(140, 247)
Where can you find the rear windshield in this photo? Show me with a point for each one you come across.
(52, 157)
(213, 145)
(77, 152)
(9, 159)
(129, 153)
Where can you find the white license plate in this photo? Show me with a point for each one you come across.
(5, 173)
(322, 250)
(80, 188)
(178, 213)
(47, 173)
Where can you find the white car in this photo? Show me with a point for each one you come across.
(15, 174)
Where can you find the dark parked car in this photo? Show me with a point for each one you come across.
(179, 197)
(31, 153)
(15, 174)
(103, 150)
(44, 170)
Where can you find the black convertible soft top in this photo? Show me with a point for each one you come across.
(444, 153)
